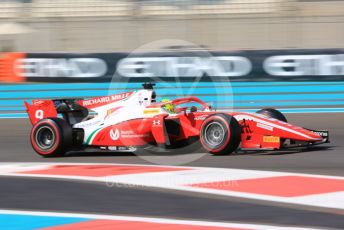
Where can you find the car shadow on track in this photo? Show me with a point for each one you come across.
(285, 152)
(127, 154)
(177, 152)
(99, 154)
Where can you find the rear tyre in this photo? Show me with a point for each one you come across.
(220, 134)
(51, 137)
(272, 113)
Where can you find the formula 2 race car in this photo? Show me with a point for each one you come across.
(127, 121)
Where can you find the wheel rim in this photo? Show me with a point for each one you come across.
(214, 134)
(45, 138)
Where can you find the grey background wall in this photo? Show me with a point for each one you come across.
(279, 24)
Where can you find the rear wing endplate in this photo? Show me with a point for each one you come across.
(40, 109)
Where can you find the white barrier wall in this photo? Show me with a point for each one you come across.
(113, 26)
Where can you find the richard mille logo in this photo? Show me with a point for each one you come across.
(114, 134)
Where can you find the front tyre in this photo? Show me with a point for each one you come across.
(51, 137)
(220, 134)
(273, 113)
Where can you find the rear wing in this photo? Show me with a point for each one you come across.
(40, 109)
(68, 109)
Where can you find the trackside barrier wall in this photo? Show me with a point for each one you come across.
(294, 80)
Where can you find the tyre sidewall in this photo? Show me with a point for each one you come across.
(63, 137)
(227, 136)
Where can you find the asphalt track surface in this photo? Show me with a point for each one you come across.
(74, 196)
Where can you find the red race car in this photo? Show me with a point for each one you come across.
(127, 121)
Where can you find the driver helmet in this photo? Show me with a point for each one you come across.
(170, 107)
